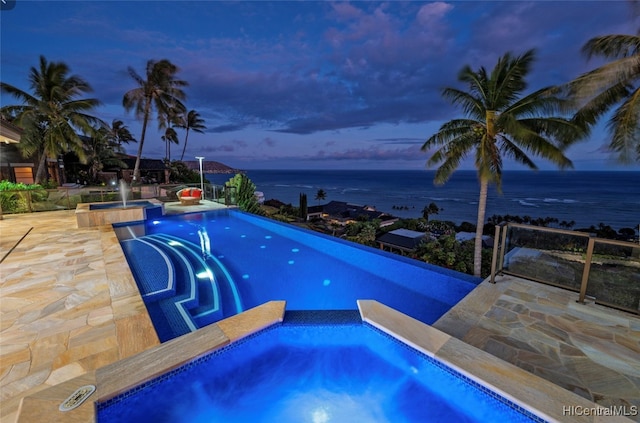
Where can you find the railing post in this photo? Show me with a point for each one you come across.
(29, 201)
(505, 229)
(68, 199)
(494, 258)
(587, 268)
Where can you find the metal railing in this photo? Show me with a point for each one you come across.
(602, 270)
(68, 198)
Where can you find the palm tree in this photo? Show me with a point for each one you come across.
(52, 114)
(118, 133)
(320, 195)
(500, 123)
(101, 151)
(160, 90)
(432, 208)
(192, 121)
(170, 136)
(613, 86)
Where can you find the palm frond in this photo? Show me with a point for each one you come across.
(612, 46)
(625, 128)
(472, 106)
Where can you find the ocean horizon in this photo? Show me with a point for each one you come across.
(586, 197)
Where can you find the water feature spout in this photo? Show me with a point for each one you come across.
(124, 191)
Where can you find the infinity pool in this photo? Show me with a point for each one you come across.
(196, 269)
(305, 371)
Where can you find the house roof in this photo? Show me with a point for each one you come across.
(145, 164)
(402, 238)
(347, 211)
(487, 241)
(9, 133)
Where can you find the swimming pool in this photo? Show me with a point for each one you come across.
(313, 368)
(196, 269)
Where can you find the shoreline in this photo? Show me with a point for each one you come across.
(587, 198)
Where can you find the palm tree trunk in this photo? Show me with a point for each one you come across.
(42, 170)
(482, 206)
(184, 147)
(136, 168)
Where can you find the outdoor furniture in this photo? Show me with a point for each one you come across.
(189, 196)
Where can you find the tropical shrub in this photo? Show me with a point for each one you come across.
(180, 173)
(14, 199)
(245, 193)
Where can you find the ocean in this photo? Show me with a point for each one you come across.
(588, 198)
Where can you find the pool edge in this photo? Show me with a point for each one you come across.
(524, 389)
(127, 373)
(514, 384)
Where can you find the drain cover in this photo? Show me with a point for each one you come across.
(77, 398)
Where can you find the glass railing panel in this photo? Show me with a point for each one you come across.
(614, 277)
(547, 255)
(14, 202)
(49, 199)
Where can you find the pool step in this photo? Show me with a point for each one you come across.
(226, 287)
(151, 268)
(182, 287)
(209, 307)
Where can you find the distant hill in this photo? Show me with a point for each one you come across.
(210, 166)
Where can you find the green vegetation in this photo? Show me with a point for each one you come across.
(245, 194)
(52, 113)
(180, 173)
(500, 122)
(303, 206)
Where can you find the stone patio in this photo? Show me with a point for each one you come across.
(69, 306)
(588, 349)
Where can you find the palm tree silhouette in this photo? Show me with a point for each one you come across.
(52, 113)
(192, 121)
(500, 123)
(160, 90)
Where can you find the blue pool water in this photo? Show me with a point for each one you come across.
(317, 373)
(198, 268)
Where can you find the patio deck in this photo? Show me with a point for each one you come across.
(69, 305)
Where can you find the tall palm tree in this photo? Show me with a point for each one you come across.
(160, 91)
(52, 113)
(192, 121)
(500, 123)
(613, 86)
(170, 119)
(170, 136)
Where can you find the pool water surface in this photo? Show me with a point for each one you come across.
(299, 372)
(199, 268)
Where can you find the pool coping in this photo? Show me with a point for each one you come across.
(91, 218)
(524, 389)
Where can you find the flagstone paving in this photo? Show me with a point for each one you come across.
(588, 349)
(69, 306)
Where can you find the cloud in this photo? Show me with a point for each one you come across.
(432, 13)
(231, 127)
(372, 153)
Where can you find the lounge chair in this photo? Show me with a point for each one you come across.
(189, 196)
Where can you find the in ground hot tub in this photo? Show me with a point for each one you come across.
(98, 214)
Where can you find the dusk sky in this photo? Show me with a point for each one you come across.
(309, 84)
